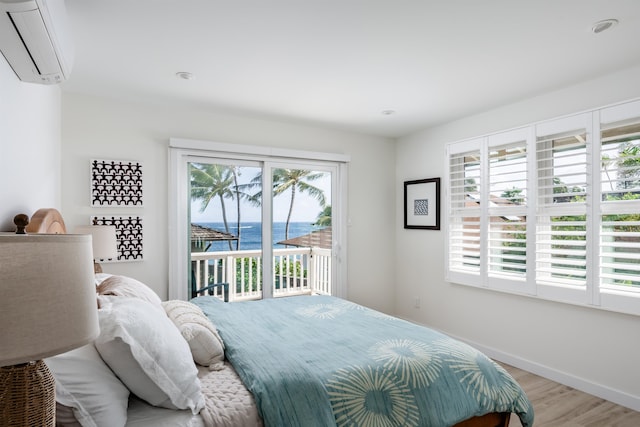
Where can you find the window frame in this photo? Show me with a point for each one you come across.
(594, 293)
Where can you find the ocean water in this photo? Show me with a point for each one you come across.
(251, 234)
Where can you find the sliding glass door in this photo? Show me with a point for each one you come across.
(265, 227)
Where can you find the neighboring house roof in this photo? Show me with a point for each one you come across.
(200, 233)
(316, 239)
(493, 202)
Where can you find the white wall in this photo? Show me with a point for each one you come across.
(597, 351)
(108, 129)
(29, 146)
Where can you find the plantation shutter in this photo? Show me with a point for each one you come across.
(551, 209)
(619, 257)
(507, 209)
(562, 160)
(464, 207)
(620, 251)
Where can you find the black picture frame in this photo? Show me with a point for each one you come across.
(422, 204)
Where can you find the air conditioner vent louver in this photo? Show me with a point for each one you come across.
(35, 40)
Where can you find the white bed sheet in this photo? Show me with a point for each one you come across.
(141, 414)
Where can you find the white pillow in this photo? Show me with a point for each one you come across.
(86, 384)
(124, 286)
(206, 345)
(99, 277)
(146, 351)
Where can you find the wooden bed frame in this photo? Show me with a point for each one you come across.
(49, 220)
(493, 419)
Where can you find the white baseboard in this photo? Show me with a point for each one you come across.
(604, 392)
(616, 396)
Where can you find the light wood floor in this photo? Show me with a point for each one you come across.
(557, 405)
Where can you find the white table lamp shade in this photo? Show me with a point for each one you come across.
(47, 296)
(104, 240)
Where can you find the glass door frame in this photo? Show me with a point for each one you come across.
(185, 151)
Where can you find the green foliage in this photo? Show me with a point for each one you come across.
(293, 267)
(250, 274)
(562, 223)
(517, 232)
(470, 186)
(629, 166)
(324, 217)
(248, 268)
(621, 196)
(514, 195)
(209, 181)
(564, 193)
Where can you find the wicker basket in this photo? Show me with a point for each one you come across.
(27, 395)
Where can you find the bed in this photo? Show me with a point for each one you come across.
(296, 361)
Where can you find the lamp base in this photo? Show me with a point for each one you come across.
(27, 395)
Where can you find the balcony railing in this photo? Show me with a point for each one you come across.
(296, 271)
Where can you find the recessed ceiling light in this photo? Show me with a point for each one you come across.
(388, 112)
(185, 75)
(603, 25)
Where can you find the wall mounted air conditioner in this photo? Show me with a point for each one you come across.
(35, 39)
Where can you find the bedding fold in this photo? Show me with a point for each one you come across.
(228, 403)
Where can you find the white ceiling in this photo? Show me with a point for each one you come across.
(340, 63)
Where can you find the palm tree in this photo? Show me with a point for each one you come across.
(296, 180)
(629, 166)
(293, 180)
(236, 172)
(209, 181)
(606, 161)
(324, 217)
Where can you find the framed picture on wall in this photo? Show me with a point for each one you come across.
(128, 235)
(422, 204)
(116, 183)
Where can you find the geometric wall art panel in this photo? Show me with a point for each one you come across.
(116, 183)
(128, 235)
